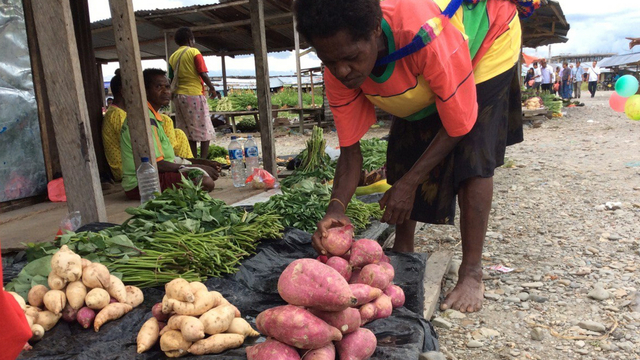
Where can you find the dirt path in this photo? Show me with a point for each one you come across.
(566, 218)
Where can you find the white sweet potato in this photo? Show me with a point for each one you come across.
(135, 297)
(67, 264)
(192, 328)
(47, 319)
(148, 335)
(216, 344)
(204, 301)
(179, 289)
(76, 293)
(95, 276)
(242, 327)
(37, 332)
(218, 319)
(19, 299)
(55, 301)
(36, 295)
(173, 341)
(110, 312)
(97, 299)
(56, 282)
(116, 289)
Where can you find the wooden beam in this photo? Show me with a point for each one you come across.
(200, 9)
(224, 75)
(262, 84)
(57, 43)
(234, 23)
(296, 41)
(437, 267)
(135, 96)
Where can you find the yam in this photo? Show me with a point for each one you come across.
(218, 319)
(272, 349)
(364, 293)
(368, 313)
(347, 320)
(47, 319)
(310, 283)
(148, 335)
(67, 264)
(192, 328)
(76, 293)
(341, 266)
(110, 312)
(364, 252)
(55, 301)
(242, 327)
(338, 240)
(56, 282)
(216, 344)
(327, 352)
(36, 295)
(37, 332)
(383, 307)
(95, 276)
(173, 340)
(85, 317)
(297, 327)
(19, 299)
(97, 299)
(374, 275)
(135, 297)
(396, 294)
(179, 289)
(116, 289)
(358, 345)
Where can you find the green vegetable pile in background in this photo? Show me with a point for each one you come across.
(182, 233)
(305, 203)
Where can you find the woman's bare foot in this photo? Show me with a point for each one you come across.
(468, 293)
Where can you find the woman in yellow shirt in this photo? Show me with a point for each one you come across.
(112, 124)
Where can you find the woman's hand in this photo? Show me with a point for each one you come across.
(330, 220)
(397, 202)
(213, 173)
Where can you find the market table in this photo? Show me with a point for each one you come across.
(230, 116)
(253, 289)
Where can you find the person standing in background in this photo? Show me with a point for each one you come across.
(188, 74)
(594, 73)
(537, 77)
(546, 75)
(565, 82)
(577, 74)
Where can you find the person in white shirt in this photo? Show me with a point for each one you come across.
(546, 73)
(594, 73)
(577, 73)
(537, 76)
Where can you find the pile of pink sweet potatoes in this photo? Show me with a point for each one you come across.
(329, 300)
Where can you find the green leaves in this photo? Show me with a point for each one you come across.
(34, 273)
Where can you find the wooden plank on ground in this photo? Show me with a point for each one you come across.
(262, 84)
(437, 267)
(135, 96)
(63, 77)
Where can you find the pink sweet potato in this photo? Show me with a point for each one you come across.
(374, 275)
(368, 313)
(338, 240)
(322, 258)
(272, 349)
(85, 317)
(358, 345)
(383, 306)
(385, 259)
(297, 327)
(340, 265)
(365, 251)
(355, 275)
(388, 268)
(347, 320)
(327, 352)
(364, 293)
(396, 294)
(310, 283)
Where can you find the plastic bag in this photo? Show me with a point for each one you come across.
(262, 179)
(71, 222)
(55, 190)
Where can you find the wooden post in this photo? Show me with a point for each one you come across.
(63, 77)
(166, 49)
(311, 78)
(296, 40)
(256, 8)
(224, 76)
(135, 96)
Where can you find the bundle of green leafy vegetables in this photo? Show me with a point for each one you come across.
(305, 203)
(374, 153)
(181, 233)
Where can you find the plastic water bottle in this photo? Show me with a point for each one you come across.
(148, 182)
(250, 155)
(237, 162)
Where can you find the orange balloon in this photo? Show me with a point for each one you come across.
(617, 102)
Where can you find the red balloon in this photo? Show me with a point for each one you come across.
(617, 102)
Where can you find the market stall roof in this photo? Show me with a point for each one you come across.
(620, 60)
(547, 25)
(219, 29)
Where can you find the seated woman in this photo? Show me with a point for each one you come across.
(168, 164)
(112, 126)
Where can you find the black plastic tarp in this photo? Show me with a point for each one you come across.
(252, 289)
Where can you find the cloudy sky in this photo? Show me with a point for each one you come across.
(596, 26)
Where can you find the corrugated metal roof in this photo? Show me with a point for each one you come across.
(620, 60)
(219, 29)
(547, 25)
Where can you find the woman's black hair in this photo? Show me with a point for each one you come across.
(116, 85)
(182, 36)
(319, 19)
(149, 74)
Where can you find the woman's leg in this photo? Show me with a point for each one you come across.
(204, 149)
(405, 236)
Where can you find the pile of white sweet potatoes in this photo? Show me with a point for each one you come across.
(79, 290)
(328, 303)
(193, 320)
